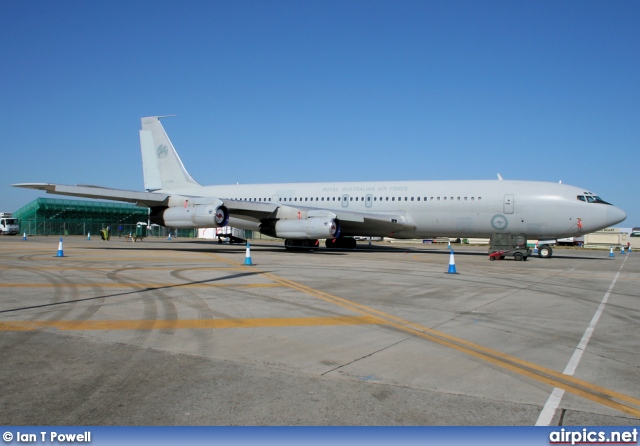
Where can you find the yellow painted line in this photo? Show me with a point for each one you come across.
(557, 379)
(140, 285)
(188, 323)
(432, 261)
(89, 254)
(121, 270)
(616, 400)
(39, 250)
(75, 258)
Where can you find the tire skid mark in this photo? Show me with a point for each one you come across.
(150, 301)
(205, 339)
(201, 306)
(149, 306)
(191, 299)
(205, 336)
(262, 296)
(54, 315)
(128, 368)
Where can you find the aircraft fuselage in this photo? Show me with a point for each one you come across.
(438, 208)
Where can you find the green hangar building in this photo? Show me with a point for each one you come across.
(51, 216)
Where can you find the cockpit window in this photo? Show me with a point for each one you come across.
(599, 200)
(590, 198)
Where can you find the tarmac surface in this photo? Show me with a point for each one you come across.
(181, 332)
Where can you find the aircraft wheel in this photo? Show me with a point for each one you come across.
(545, 251)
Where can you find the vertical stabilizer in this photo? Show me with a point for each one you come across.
(161, 164)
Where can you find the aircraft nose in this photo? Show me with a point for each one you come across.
(615, 215)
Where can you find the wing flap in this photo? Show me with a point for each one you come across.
(376, 224)
(254, 210)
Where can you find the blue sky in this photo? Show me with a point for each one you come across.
(278, 91)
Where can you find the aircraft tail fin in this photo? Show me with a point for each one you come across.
(161, 164)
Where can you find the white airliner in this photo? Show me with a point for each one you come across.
(302, 213)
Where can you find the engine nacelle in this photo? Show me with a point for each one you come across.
(197, 216)
(308, 228)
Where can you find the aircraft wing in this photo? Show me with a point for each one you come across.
(352, 223)
(375, 224)
(148, 199)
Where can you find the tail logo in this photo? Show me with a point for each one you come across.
(162, 151)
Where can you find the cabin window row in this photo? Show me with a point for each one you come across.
(393, 198)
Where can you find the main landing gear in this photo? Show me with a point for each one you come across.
(311, 244)
(304, 244)
(341, 242)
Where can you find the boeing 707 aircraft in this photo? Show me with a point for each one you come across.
(302, 213)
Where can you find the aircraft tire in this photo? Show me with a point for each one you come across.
(301, 244)
(545, 251)
(341, 243)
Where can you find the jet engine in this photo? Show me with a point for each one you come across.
(197, 216)
(308, 228)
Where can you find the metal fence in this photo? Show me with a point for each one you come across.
(92, 228)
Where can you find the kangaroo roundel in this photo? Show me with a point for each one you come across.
(162, 151)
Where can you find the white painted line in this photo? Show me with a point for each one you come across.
(550, 407)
